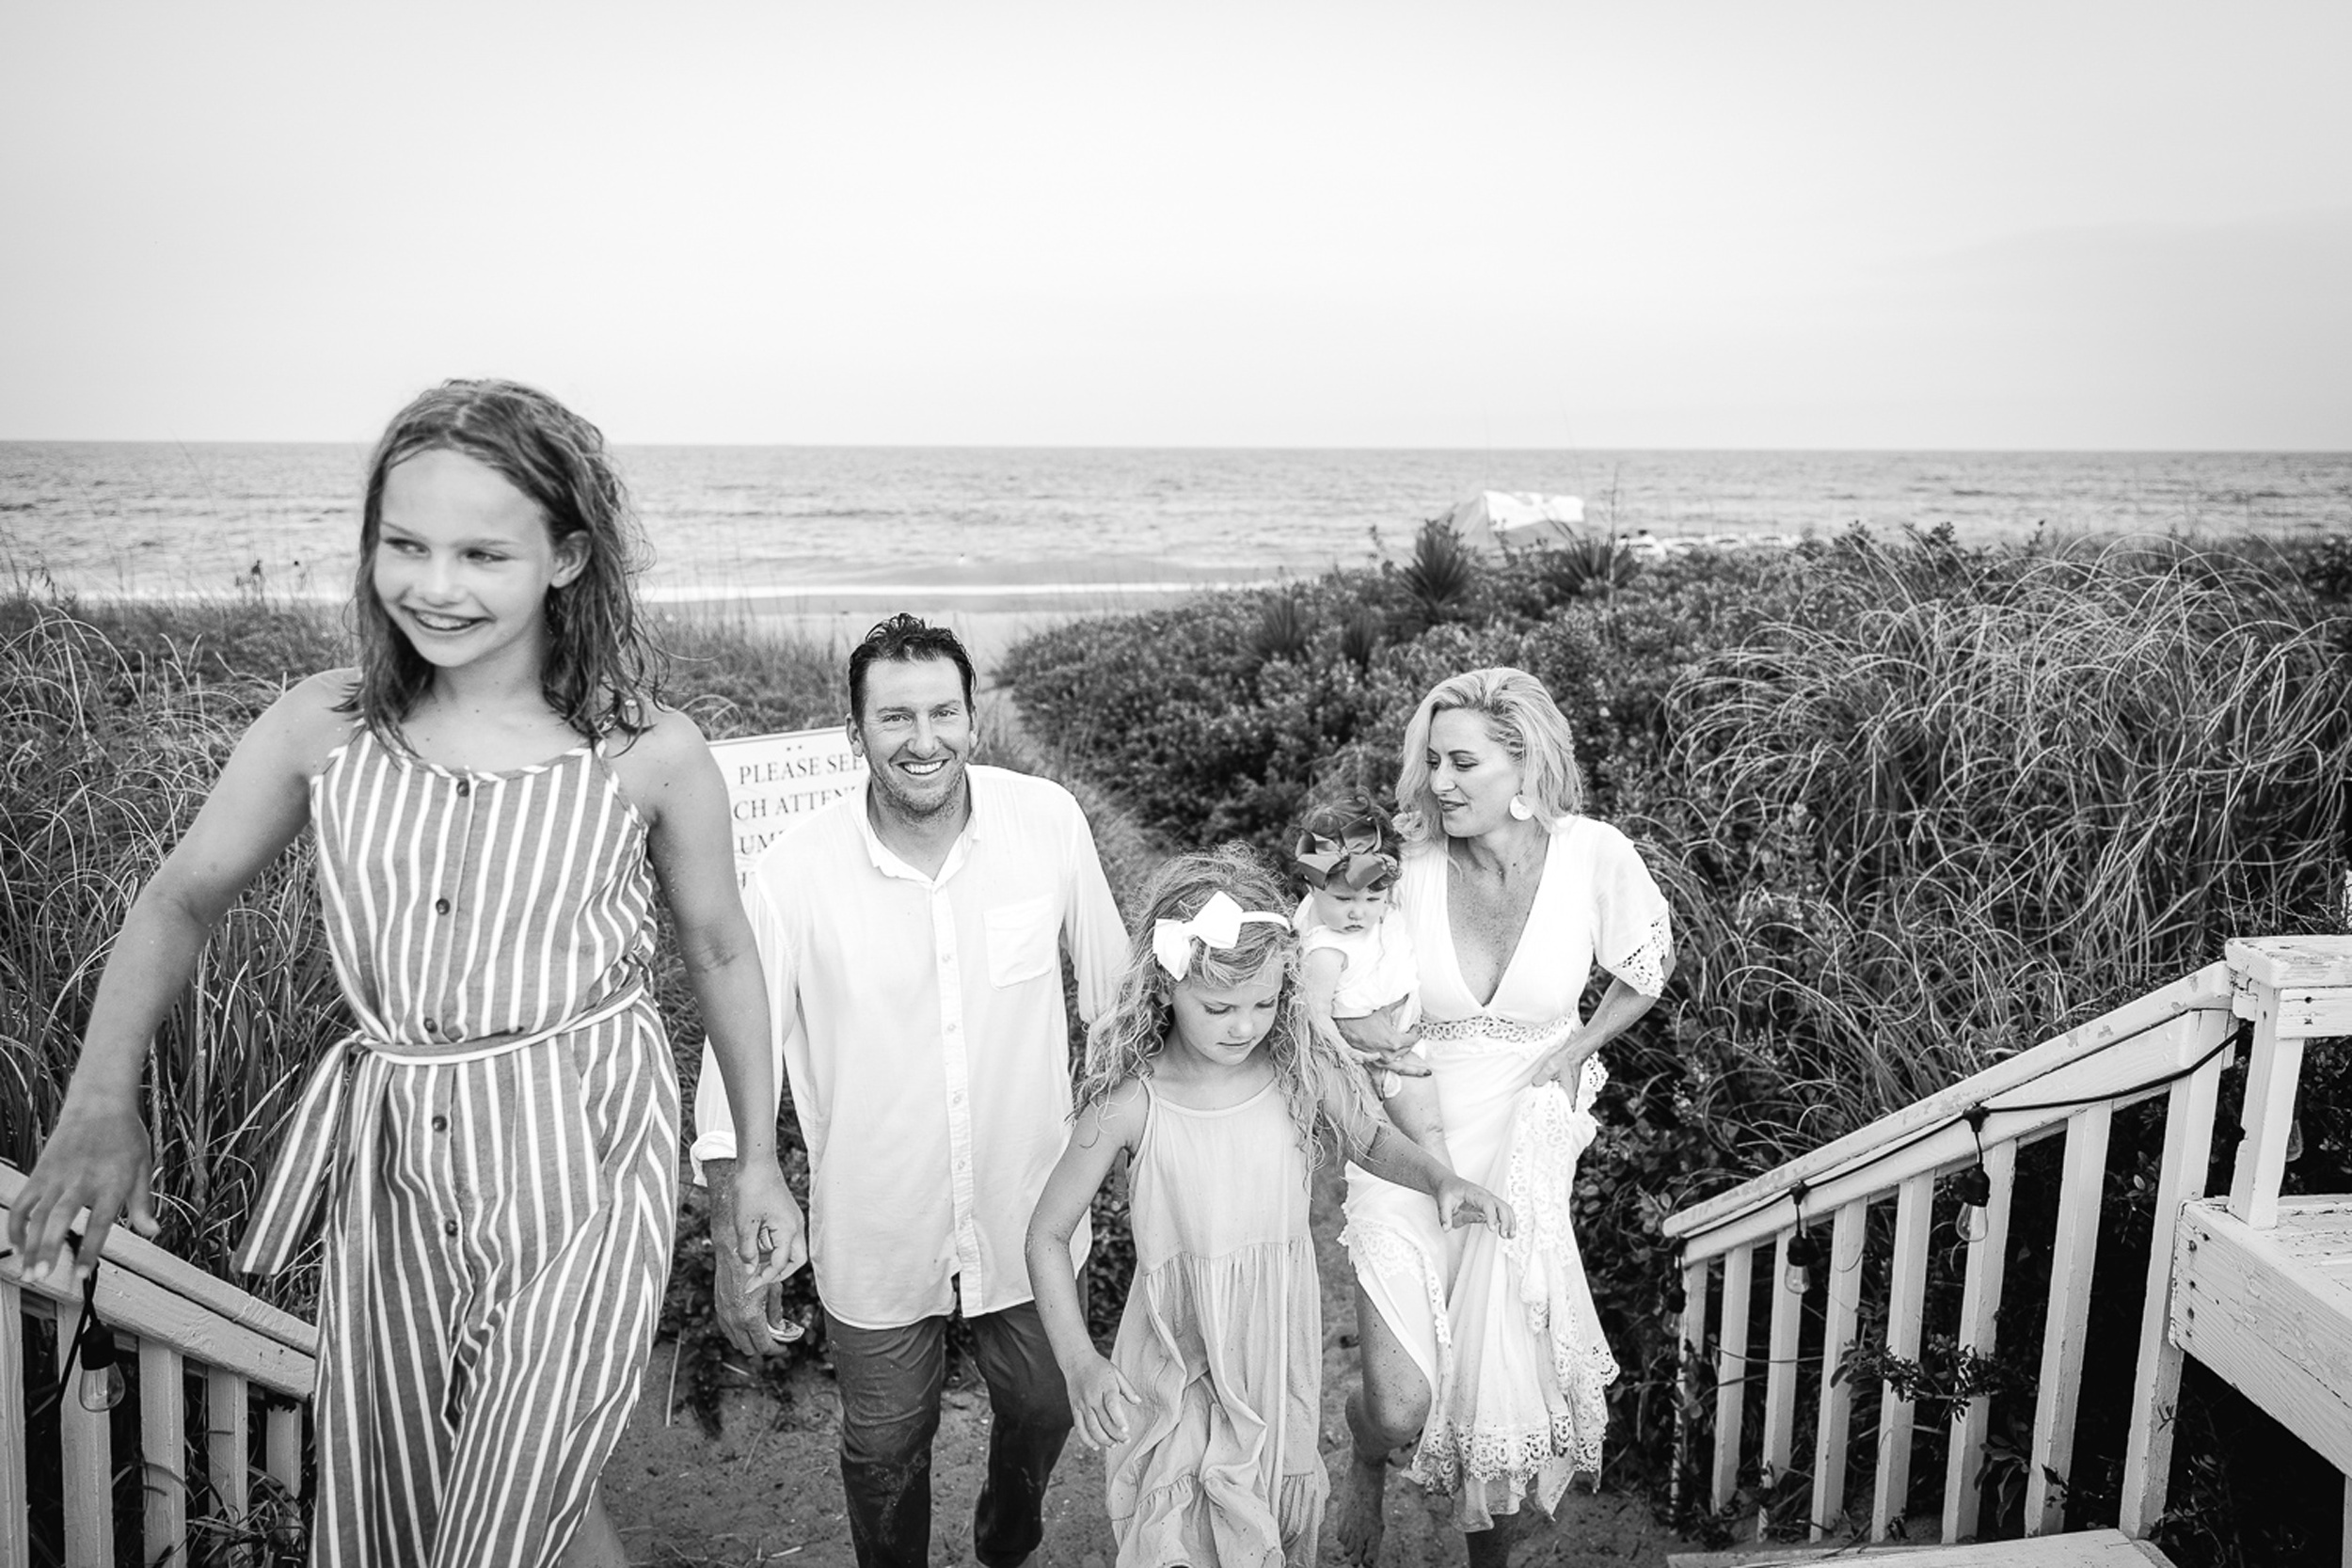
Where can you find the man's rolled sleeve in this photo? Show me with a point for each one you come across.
(1096, 935)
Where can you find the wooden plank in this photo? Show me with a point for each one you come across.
(1979, 1312)
(16, 1524)
(2156, 1384)
(87, 1463)
(2208, 988)
(2123, 1073)
(2273, 1067)
(2098, 1548)
(227, 1441)
(1731, 1373)
(1906, 1305)
(2311, 1014)
(1780, 1370)
(1693, 1351)
(1838, 1335)
(2279, 962)
(129, 1253)
(282, 1446)
(163, 1445)
(2269, 1323)
(136, 1305)
(2075, 1250)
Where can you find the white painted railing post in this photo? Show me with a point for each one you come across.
(1691, 1352)
(226, 1429)
(2157, 1386)
(2274, 1065)
(164, 1444)
(2074, 1250)
(1731, 1372)
(1906, 1305)
(1979, 1314)
(1836, 1420)
(1780, 1372)
(89, 1462)
(16, 1521)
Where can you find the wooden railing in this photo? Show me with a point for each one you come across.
(2172, 1043)
(178, 1322)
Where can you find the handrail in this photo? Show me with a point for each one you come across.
(2208, 988)
(175, 1319)
(2175, 1042)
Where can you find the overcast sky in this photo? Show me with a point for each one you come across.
(1264, 223)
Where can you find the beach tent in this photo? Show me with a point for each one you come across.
(1492, 518)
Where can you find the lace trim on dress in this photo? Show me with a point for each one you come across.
(1388, 1250)
(1645, 967)
(1492, 1467)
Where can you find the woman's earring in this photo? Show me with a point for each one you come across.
(1519, 808)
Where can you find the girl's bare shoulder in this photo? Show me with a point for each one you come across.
(1121, 1114)
(301, 730)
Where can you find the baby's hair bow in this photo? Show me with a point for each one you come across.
(1354, 857)
(1218, 925)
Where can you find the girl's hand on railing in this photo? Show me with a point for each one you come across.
(98, 1159)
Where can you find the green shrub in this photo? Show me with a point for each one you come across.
(1916, 805)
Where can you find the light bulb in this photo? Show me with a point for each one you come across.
(1974, 1186)
(102, 1386)
(1805, 1254)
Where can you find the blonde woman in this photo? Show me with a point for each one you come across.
(1488, 1347)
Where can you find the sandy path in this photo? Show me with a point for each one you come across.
(768, 1490)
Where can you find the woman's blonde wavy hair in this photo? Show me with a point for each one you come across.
(1522, 715)
(1125, 1042)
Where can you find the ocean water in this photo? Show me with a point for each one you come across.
(165, 518)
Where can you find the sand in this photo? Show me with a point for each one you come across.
(768, 1490)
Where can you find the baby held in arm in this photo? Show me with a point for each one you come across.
(1358, 954)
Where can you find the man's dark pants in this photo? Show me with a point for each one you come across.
(890, 1381)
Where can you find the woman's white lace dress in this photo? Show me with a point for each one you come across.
(1505, 1331)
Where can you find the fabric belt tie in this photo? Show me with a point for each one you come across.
(333, 1114)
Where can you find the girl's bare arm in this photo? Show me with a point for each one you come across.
(97, 1156)
(1102, 1133)
(676, 782)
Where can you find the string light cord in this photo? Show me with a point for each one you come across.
(1978, 1112)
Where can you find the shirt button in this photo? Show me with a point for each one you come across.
(464, 787)
(441, 906)
(431, 1027)
(449, 1227)
(440, 1124)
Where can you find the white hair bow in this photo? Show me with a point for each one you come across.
(1218, 925)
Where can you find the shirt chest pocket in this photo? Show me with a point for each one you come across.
(1021, 941)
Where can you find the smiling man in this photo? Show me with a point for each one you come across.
(912, 935)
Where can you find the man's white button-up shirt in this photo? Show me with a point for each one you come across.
(919, 1023)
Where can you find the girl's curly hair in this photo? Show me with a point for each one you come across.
(1126, 1039)
(603, 668)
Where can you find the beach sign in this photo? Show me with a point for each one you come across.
(776, 780)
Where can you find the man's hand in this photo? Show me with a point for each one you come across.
(749, 1267)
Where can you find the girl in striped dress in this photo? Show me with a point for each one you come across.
(494, 793)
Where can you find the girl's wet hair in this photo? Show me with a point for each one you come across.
(603, 670)
(1126, 1039)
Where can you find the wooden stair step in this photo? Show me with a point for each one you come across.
(2097, 1548)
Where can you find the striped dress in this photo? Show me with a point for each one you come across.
(497, 1151)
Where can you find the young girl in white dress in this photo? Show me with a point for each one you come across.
(1207, 1076)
